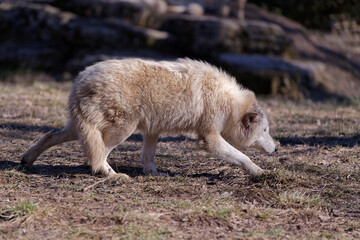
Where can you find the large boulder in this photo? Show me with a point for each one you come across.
(84, 59)
(44, 37)
(220, 8)
(334, 60)
(226, 8)
(32, 36)
(266, 75)
(146, 13)
(291, 78)
(112, 34)
(207, 36)
(32, 21)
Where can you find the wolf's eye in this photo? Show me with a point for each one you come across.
(265, 130)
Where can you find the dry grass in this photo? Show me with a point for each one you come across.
(311, 189)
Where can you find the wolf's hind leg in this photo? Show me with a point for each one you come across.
(148, 153)
(50, 139)
(215, 144)
(98, 145)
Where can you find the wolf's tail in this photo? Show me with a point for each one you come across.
(93, 145)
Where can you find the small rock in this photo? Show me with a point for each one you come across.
(324, 218)
(318, 122)
(336, 213)
(176, 9)
(195, 9)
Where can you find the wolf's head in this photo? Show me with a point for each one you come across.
(250, 129)
(256, 128)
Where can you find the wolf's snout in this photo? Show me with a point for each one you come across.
(274, 150)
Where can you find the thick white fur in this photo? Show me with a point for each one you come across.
(112, 99)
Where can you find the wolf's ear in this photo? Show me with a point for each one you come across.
(249, 118)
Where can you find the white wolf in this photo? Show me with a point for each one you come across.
(112, 99)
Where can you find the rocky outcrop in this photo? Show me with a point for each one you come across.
(208, 36)
(226, 8)
(336, 69)
(292, 78)
(31, 35)
(269, 75)
(32, 22)
(112, 33)
(220, 8)
(44, 37)
(145, 13)
(83, 59)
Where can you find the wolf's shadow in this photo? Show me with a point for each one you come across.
(64, 170)
(322, 141)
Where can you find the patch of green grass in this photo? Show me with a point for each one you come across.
(219, 212)
(14, 186)
(305, 167)
(270, 234)
(352, 160)
(299, 199)
(72, 187)
(182, 204)
(255, 212)
(263, 214)
(139, 231)
(209, 208)
(10, 186)
(352, 102)
(21, 209)
(81, 232)
(121, 208)
(328, 235)
(14, 172)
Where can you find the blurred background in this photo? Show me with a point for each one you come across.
(295, 49)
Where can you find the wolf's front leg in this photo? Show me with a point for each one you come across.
(215, 144)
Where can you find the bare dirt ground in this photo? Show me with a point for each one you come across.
(311, 189)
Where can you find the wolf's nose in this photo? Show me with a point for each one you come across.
(276, 149)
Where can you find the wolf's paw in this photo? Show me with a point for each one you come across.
(160, 174)
(119, 176)
(267, 176)
(154, 173)
(26, 161)
(257, 172)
